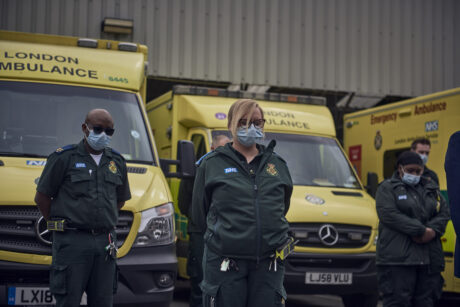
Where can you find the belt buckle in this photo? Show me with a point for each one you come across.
(56, 225)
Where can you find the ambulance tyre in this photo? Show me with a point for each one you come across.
(360, 300)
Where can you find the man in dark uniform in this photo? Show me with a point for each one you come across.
(79, 193)
(422, 147)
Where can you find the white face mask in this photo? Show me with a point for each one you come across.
(410, 179)
(424, 158)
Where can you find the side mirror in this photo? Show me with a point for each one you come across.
(186, 157)
(372, 184)
(185, 161)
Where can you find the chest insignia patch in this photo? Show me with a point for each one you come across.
(271, 169)
(80, 165)
(402, 197)
(112, 167)
(231, 170)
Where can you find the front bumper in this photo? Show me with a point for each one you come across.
(138, 282)
(362, 266)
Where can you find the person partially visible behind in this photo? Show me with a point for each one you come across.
(452, 168)
(422, 146)
(241, 196)
(80, 192)
(413, 217)
(196, 244)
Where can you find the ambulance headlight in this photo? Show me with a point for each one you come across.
(156, 227)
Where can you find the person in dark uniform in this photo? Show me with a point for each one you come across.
(80, 191)
(413, 217)
(196, 244)
(452, 167)
(241, 196)
(422, 146)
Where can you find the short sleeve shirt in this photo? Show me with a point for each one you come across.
(83, 193)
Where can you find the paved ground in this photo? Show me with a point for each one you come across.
(181, 296)
(182, 293)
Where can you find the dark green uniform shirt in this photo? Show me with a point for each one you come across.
(83, 193)
(241, 207)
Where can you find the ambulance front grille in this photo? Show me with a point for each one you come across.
(349, 236)
(18, 230)
(137, 170)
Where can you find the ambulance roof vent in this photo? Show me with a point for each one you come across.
(131, 47)
(87, 43)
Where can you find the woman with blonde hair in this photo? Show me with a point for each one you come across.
(240, 199)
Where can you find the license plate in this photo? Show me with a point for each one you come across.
(34, 296)
(320, 278)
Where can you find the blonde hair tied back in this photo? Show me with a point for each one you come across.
(240, 109)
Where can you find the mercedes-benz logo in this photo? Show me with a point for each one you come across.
(42, 232)
(328, 234)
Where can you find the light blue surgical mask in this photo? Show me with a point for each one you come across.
(424, 158)
(97, 141)
(410, 179)
(247, 137)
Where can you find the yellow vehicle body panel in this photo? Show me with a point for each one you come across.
(372, 138)
(173, 116)
(35, 57)
(204, 111)
(336, 209)
(18, 186)
(113, 70)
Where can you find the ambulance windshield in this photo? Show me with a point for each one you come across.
(37, 118)
(312, 160)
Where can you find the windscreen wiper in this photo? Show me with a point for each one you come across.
(21, 154)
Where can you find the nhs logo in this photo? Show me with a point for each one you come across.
(431, 126)
(36, 162)
(231, 170)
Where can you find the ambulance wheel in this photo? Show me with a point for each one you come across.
(360, 300)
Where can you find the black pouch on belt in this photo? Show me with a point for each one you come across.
(286, 248)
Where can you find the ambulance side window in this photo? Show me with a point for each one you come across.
(389, 161)
(199, 142)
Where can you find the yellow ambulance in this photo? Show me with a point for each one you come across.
(331, 214)
(47, 86)
(374, 138)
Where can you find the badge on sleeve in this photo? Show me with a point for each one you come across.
(271, 169)
(112, 167)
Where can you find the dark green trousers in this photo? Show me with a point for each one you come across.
(195, 267)
(250, 285)
(412, 285)
(80, 263)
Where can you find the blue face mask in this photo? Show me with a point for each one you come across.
(410, 179)
(97, 141)
(247, 137)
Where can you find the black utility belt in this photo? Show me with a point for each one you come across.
(62, 225)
